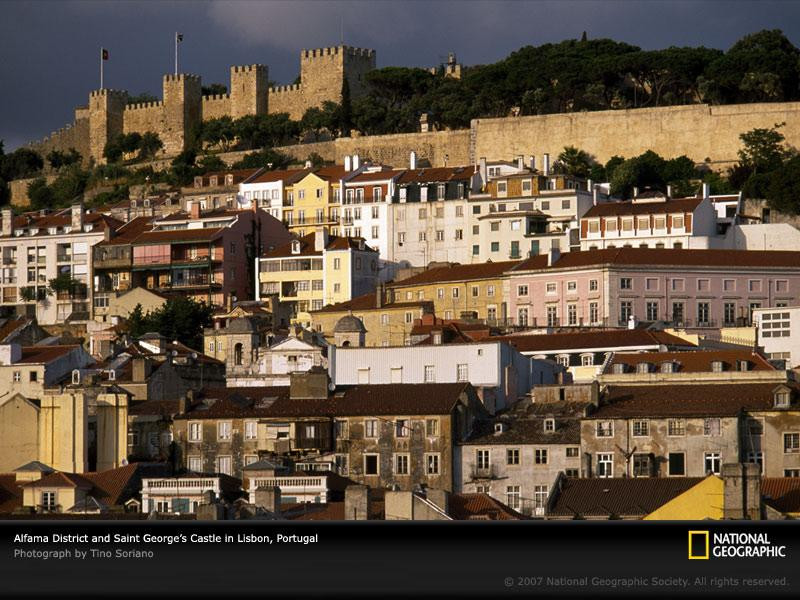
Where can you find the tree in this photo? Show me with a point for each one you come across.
(58, 159)
(179, 318)
(346, 112)
(574, 162)
(65, 284)
(267, 158)
(645, 170)
(612, 165)
(215, 89)
(783, 188)
(219, 132)
(20, 164)
(5, 193)
(209, 164)
(149, 145)
(763, 149)
(142, 98)
(316, 160)
(40, 194)
(183, 167)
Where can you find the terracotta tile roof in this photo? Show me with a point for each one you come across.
(331, 511)
(488, 270)
(480, 507)
(117, 486)
(163, 408)
(436, 174)
(608, 209)
(288, 176)
(678, 258)
(618, 497)
(782, 493)
(10, 493)
(361, 400)
(369, 302)
(614, 338)
(529, 431)
(61, 479)
(98, 221)
(129, 231)
(307, 246)
(684, 400)
(33, 355)
(699, 361)
(200, 234)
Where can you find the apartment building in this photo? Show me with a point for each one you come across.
(38, 248)
(316, 270)
(218, 190)
(688, 288)
(778, 333)
(206, 256)
(314, 200)
(471, 291)
(269, 190)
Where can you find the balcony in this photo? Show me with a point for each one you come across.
(170, 487)
(303, 489)
(477, 472)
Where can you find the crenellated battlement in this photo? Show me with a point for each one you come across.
(248, 68)
(107, 92)
(280, 89)
(212, 97)
(334, 50)
(182, 77)
(145, 105)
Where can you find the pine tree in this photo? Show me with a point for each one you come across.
(347, 109)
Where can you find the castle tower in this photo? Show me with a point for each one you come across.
(182, 110)
(323, 70)
(248, 92)
(106, 109)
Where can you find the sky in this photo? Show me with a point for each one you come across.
(49, 50)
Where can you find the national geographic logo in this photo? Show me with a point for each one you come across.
(703, 546)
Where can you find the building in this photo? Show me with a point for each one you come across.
(698, 289)
(184, 493)
(470, 291)
(498, 373)
(584, 353)
(269, 190)
(316, 270)
(206, 256)
(651, 221)
(29, 370)
(47, 268)
(778, 333)
(518, 457)
(386, 320)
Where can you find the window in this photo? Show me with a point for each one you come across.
(440, 235)
(711, 426)
(625, 283)
(677, 222)
(495, 246)
(250, 430)
(594, 313)
(625, 311)
(605, 428)
(572, 286)
(490, 291)
(651, 310)
(791, 472)
(476, 291)
(593, 285)
(573, 452)
(641, 428)
(432, 464)
(195, 432)
(33, 376)
(462, 372)
(370, 464)
(587, 360)
(676, 464)
(605, 464)
(459, 235)
(48, 500)
(455, 292)
(676, 427)
(430, 374)
(552, 315)
(401, 238)
(402, 428)
(513, 496)
(642, 465)
(17, 376)
(712, 463)
(337, 264)
(522, 317)
(401, 464)
(549, 425)
(512, 456)
(677, 285)
(422, 236)
(482, 459)
(224, 465)
(540, 456)
(754, 285)
(791, 443)
(522, 290)
(572, 314)
(551, 288)
(340, 429)
(195, 464)
(703, 309)
(431, 427)
(594, 226)
(677, 312)
(371, 428)
(440, 293)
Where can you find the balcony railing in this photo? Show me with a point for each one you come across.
(477, 472)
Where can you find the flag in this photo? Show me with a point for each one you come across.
(104, 53)
(178, 37)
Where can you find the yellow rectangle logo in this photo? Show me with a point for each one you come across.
(695, 543)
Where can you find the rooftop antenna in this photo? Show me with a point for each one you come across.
(341, 31)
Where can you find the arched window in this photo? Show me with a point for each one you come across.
(237, 354)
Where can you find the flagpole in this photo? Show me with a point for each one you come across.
(176, 53)
(101, 68)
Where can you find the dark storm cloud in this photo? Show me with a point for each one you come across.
(49, 50)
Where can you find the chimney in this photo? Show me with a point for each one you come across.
(77, 216)
(532, 162)
(185, 402)
(140, 369)
(546, 164)
(356, 503)
(320, 239)
(379, 296)
(356, 162)
(229, 302)
(635, 192)
(195, 209)
(552, 256)
(8, 222)
(595, 194)
(706, 190)
(348, 165)
(10, 353)
(520, 162)
(483, 170)
(669, 191)
(742, 491)
(269, 498)
(412, 160)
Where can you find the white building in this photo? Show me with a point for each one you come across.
(268, 190)
(778, 333)
(498, 372)
(183, 494)
(275, 364)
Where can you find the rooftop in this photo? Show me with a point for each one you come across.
(308, 248)
(610, 209)
(590, 340)
(700, 361)
(457, 272)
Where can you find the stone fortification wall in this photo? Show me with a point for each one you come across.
(216, 106)
(143, 117)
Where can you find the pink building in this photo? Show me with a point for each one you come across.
(690, 288)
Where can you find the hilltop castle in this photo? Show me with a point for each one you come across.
(182, 107)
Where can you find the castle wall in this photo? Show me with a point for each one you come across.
(147, 116)
(75, 136)
(287, 99)
(19, 190)
(248, 90)
(698, 131)
(217, 106)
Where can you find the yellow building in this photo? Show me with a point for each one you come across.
(316, 270)
(313, 200)
(388, 322)
(703, 501)
(477, 291)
